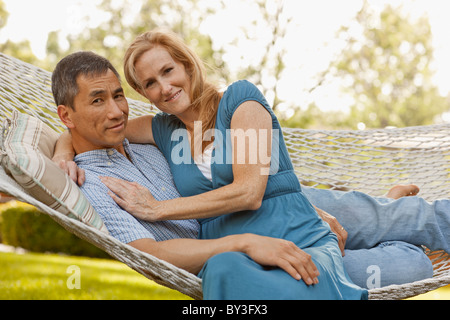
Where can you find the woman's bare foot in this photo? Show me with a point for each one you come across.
(399, 191)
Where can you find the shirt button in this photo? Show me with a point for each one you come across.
(109, 163)
(110, 152)
(163, 189)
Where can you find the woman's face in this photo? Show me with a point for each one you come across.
(164, 81)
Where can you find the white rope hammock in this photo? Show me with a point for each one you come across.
(370, 161)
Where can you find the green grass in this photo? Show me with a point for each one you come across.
(442, 293)
(34, 276)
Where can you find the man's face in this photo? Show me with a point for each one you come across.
(100, 114)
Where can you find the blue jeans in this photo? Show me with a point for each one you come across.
(390, 262)
(383, 234)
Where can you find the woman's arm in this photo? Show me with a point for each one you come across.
(139, 130)
(244, 193)
(63, 157)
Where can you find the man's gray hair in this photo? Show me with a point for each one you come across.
(67, 71)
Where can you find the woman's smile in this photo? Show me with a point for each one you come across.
(173, 97)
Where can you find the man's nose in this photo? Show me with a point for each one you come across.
(115, 110)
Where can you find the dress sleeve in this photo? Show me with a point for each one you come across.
(236, 94)
(163, 127)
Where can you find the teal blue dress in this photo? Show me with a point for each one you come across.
(285, 213)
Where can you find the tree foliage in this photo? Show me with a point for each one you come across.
(387, 68)
(265, 68)
(130, 18)
(386, 65)
(3, 15)
(21, 50)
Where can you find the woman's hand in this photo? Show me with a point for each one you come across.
(336, 227)
(63, 157)
(133, 198)
(66, 163)
(283, 254)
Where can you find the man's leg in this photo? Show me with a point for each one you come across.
(392, 262)
(370, 220)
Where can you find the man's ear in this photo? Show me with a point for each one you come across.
(65, 114)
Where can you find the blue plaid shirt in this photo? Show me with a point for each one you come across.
(150, 169)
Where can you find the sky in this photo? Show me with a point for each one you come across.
(310, 39)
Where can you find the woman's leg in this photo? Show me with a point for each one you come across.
(234, 276)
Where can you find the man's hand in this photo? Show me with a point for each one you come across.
(336, 227)
(284, 254)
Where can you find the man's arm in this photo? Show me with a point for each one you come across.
(335, 226)
(187, 254)
(191, 254)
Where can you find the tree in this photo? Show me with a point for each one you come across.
(314, 117)
(113, 36)
(21, 50)
(3, 14)
(268, 24)
(386, 67)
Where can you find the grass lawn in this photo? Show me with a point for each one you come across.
(34, 276)
(442, 293)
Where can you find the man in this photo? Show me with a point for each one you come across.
(91, 103)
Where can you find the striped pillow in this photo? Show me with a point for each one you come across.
(27, 148)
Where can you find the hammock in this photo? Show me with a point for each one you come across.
(370, 161)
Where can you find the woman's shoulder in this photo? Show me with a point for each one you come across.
(242, 88)
(166, 121)
(236, 94)
(163, 127)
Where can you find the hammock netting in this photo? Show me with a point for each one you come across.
(370, 161)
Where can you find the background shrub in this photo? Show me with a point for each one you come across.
(26, 227)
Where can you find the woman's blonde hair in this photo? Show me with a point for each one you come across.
(204, 96)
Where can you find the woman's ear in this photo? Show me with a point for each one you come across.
(65, 114)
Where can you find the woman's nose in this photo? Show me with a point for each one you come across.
(166, 88)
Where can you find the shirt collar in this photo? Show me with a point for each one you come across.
(102, 155)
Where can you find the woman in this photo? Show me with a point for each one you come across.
(221, 182)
